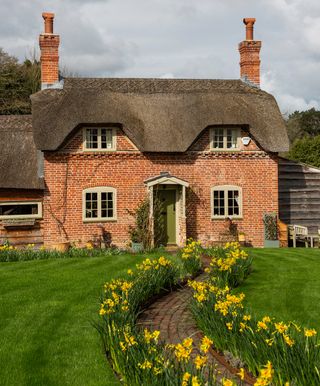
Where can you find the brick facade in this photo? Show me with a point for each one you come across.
(71, 170)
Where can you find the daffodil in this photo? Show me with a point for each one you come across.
(309, 332)
(206, 343)
(200, 361)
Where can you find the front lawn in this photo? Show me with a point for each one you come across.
(46, 312)
(285, 283)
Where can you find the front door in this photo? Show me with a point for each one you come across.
(168, 214)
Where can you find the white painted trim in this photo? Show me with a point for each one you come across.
(21, 216)
(165, 180)
(226, 188)
(99, 190)
(225, 128)
(99, 149)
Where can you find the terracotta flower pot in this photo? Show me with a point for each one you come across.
(61, 246)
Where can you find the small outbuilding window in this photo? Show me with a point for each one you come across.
(226, 201)
(225, 138)
(20, 210)
(99, 138)
(99, 204)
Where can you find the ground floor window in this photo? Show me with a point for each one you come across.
(226, 201)
(99, 204)
(22, 209)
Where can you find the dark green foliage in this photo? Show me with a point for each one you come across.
(270, 226)
(303, 124)
(141, 232)
(306, 150)
(17, 82)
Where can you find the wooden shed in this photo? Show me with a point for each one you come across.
(21, 183)
(299, 194)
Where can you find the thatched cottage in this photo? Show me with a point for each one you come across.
(93, 149)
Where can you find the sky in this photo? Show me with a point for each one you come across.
(177, 39)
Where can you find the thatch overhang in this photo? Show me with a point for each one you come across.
(158, 115)
(18, 155)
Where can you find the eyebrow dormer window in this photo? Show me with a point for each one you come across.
(225, 138)
(99, 139)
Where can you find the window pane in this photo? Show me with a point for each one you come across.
(106, 204)
(233, 203)
(106, 138)
(232, 138)
(91, 205)
(218, 138)
(92, 138)
(218, 203)
(18, 210)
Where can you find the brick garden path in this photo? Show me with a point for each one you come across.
(171, 315)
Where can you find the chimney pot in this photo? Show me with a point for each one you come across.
(249, 22)
(49, 48)
(48, 22)
(250, 55)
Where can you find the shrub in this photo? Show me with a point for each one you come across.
(141, 232)
(306, 150)
(270, 226)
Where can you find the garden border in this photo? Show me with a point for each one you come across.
(161, 311)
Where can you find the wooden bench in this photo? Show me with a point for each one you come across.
(300, 233)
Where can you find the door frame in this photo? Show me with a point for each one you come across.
(180, 186)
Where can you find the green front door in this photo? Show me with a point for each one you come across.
(168, 214)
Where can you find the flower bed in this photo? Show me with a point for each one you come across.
(138, 356)
(291, 353)
(9, 253)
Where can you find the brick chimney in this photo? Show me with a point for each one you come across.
(49, 48)
(250, 56)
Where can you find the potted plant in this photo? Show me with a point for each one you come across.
(136, 240)
(241, 237)
(271, 239)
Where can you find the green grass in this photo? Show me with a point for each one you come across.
(285, 283)
(47, 309)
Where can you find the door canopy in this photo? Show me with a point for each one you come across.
(165, 178)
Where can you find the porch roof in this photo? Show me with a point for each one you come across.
(165, 178)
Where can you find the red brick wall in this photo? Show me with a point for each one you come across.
(22, 236)
(70, 171)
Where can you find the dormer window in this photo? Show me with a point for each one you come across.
(99, 139)
(225, 138)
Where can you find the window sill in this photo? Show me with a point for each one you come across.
(224, 218)
(19, 223)
(99, 220)
(99, 150)
(225, 150)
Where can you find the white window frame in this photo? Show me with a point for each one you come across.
(99, 148)
(22, 216)
(226, 188)
(99, 190)
(237, 132)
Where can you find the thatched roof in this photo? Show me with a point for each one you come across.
(158, 115)
(18, 155)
